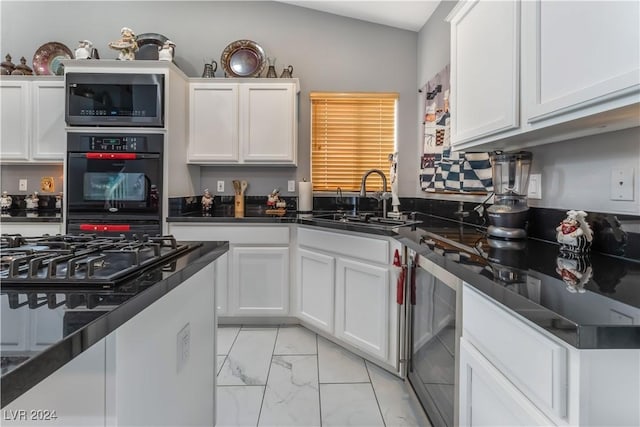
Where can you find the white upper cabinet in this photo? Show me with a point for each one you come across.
(33, 128)
(243, 123)
(485, 79)
(49, 140)
(213, 123)
(582, 56)
(15, 120)
(533, 72)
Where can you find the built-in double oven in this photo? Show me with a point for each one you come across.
(114, 183)
(114, 162)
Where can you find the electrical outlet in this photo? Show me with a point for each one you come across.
(22, 186)
(535, 186)
(220, 187)
(183, 347)
(291, 186)
(621, 184)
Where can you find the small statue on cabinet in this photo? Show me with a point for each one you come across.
(32, 201)
(574, 233)
(5, 201)
(165, 52)
(84, 50)
(274, 201)
(7, 65)
(127, 45)
(207, 201)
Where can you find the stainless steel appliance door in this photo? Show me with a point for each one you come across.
(433, 342)
(114, 99)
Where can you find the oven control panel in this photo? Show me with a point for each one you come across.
(116, 143)
(129, 143)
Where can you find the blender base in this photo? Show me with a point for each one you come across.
(507, 233)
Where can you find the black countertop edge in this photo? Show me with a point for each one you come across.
(30, 219)
(580, 336)
(230, 219)
(19, 380)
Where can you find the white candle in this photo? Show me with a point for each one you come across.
(305, 196)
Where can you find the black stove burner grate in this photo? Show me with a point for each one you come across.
(83, 259)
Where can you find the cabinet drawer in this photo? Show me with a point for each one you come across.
(535, 364)
(235, 234)
(370, 249)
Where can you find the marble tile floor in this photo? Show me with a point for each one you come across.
(290, 376)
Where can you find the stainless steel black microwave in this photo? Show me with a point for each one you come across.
(114, 99)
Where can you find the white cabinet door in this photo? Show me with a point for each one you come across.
(213, 123)
(15, 325)
(582, 56)
(316, 289)
(489, 399)
(49, 140)
(485, 59)
(222, 284)
(268, 126)
(31, 229)
(14, 110)
(362, 306)
(259, 281)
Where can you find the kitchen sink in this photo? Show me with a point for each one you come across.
(364, 219)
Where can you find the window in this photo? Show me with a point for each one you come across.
(350, 134)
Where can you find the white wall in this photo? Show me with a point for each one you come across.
(327, 52)
(575, 174)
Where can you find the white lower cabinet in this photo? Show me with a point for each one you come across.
(343, 288)
(253, 279)
(260, 281)
(31, 228)
(487, 398)
(316, 293)
(362, 306)
(514, 373)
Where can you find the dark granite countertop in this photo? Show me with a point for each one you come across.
(536, 281)
(21, 215)
(90, 315)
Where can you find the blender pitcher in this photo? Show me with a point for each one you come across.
(509, 214)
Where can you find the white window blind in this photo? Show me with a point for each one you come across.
(350, 134)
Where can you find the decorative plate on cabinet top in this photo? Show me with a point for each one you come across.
(243, 58)
(46, 60)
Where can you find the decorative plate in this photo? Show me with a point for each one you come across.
(243, 58)
(148, 44)
(46, 60)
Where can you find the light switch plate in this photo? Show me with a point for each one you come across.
(22, 185)
(535, 186)
(220, 187)
(622, 184)
(291, 186)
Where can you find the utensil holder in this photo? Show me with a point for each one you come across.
(239, 206)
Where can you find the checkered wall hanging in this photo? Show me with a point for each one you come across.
(442, 169)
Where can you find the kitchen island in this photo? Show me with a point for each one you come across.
(90, 355)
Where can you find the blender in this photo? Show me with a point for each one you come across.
(509, 214)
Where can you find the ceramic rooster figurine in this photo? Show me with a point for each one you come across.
(574, 233)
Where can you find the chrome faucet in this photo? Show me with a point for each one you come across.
(379, 196)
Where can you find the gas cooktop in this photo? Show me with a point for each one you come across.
(83, 260)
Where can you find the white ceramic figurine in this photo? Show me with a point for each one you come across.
(127, 45)
(574, 233)
(84, 49)
(165, 52)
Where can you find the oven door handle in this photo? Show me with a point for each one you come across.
(105, 227)
(111, 156)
